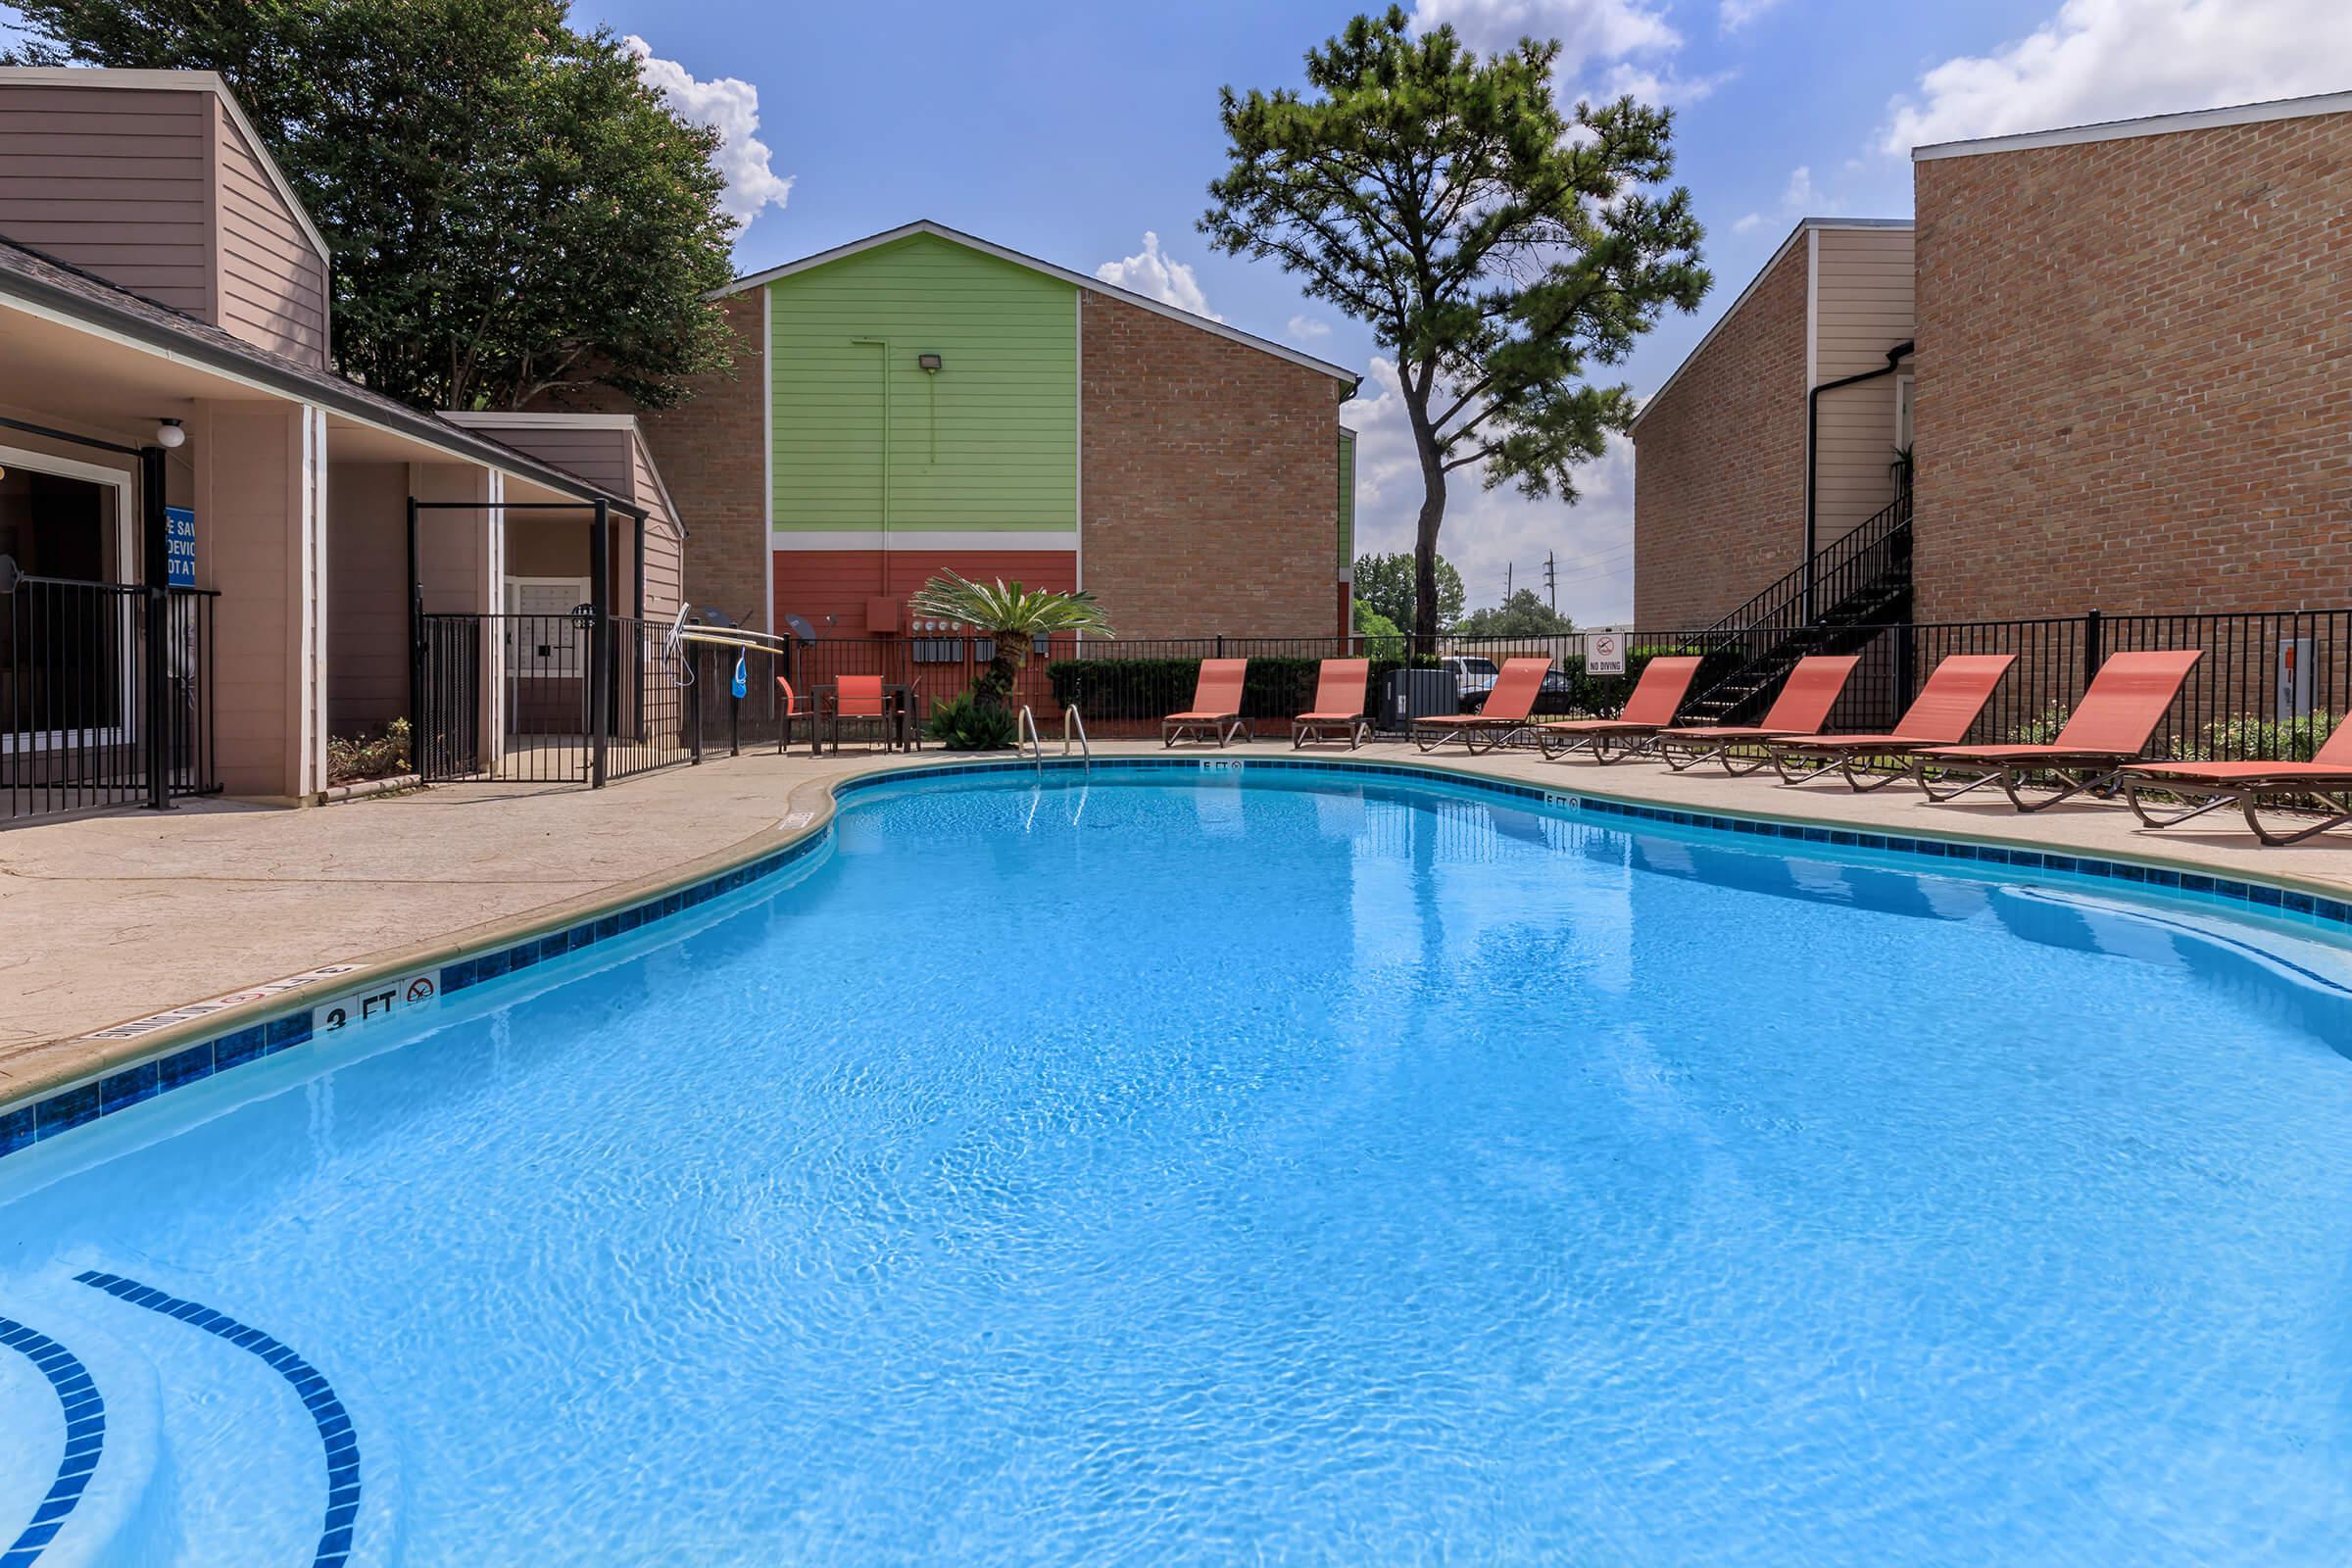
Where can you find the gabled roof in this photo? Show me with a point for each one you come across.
(2326, 103)
(561, 419)
(105, 76)
(954, 236)
(42, 282)
(1804, 226)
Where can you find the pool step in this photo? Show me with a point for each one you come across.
(83, 1477)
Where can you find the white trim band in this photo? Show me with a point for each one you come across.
(896, 539)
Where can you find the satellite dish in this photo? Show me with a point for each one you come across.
(801, 628)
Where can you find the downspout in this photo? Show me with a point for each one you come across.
(882, 367)
(1895, 358)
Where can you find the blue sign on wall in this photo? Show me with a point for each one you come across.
(180, 544)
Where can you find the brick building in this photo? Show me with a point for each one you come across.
(2126, 383)
(923, 399)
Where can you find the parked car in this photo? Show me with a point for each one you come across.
(1475, 674)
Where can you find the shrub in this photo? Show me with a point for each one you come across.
(963, 723)
(2268, 740)
(355, 759)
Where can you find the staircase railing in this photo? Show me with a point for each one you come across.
(1862, 556)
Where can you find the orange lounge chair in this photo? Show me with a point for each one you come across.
(1216, 711)
(1806, 699)
(1939, 715)
(2247, 785)
(1656, 695)
(861, 696)
(2110, 728)
(1508, 702)
(1339, 691)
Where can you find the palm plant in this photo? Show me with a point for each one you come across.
(1011, 614)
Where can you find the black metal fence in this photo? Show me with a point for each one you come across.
(106, 696)
(2270, 684)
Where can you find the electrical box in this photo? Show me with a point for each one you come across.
(1412, 693)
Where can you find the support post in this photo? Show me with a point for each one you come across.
(2092, 636)
(599, 641)
(417, 743)
(694, 702)
(156, 668)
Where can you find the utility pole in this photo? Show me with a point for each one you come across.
(1507, 568)
(1551, 580)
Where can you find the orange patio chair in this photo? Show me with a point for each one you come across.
(1340, 705)
(1939, 715)
(1510, 702)
(1216, 711)
(793, 706)
(2249, 786)
(2110, 728)
(861, 698)
(1656, 695)
(1806, 697)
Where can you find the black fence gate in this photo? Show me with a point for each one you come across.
(106, 695)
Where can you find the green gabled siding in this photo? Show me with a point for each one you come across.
(1346, 499)
(988, 442)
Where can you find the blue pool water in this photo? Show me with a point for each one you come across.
(1291, 1172)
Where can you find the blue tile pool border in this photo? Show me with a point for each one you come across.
(317, 1396)
(78, 1400)
(34, 1121)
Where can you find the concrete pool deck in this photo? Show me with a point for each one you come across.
(114, 917)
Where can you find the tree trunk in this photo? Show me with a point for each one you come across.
(1433, 514)
(995, 683)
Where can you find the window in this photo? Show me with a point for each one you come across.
(68, 642)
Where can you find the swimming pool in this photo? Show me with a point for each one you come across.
(1233, 1164)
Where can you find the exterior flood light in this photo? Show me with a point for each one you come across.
(168, 434)
(929, 362)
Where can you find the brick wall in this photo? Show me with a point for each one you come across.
(1206, 481)
(714, 465)
(1719, 481)
(2132, 390)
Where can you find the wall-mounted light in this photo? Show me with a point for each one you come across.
(168, 434)
(929, 362)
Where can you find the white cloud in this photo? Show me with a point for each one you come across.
(1151, 274)
(1591, 31)
(1736, 14)
(2115, 59)
(1748, 223)
(1607, 47)
(1801, 197)
(731, 107)
(1308, 326)
(1485, 530)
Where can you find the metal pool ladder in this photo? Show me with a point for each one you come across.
(1037, 744)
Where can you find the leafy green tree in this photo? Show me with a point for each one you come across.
(1500, 248)
(1386, 583)
(1382, 637)
(511, 211)
(1522, 614)
(1013, 617)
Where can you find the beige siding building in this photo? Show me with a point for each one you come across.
(1722, 486)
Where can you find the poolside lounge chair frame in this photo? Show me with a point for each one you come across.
(1515, 690)
(1651, 708)
(1805, 699)
(2139, 687)
(2249, 786)
(1333, 681)
(1950, 701)
(1207, 720)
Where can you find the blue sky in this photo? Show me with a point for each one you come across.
(1074, 130)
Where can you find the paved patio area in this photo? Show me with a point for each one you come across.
(114, 917)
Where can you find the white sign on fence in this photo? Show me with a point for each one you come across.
(1604, 654)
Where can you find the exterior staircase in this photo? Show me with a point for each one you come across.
(1836, 603)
